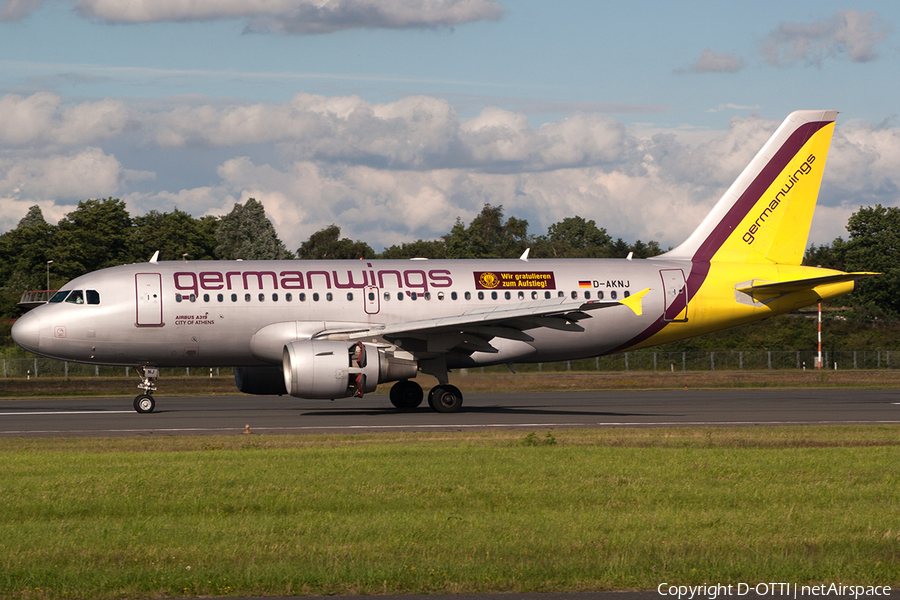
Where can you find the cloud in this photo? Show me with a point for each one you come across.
(280, 16)
(43, 119)
(397, 171)
(418, 132)
(14, 10)
(89, 173)
(846, 34)
(713, 62)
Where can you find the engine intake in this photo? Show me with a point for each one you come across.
(339, 369)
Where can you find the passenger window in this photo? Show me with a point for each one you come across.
(627, 293)
(399, 295)
(440, 296)
(481, 295)
(288, 297)
(234, 297)
(534, 295)
(316, 297)
(206, 297)
(413, 295)
(301, 297)
(247, 297)
(521, 295)
(574, 295)
(468, 295)
(561, 294)
(350, 296)
(427, 295)
(371, 296)
(274, 297)
(547, 295)
(387, 295)
(613, 294)
(599, 295)
(262, 297)
(329, 296)
(220, 298)
(507, 295)
(493, 295)
(193, 298)
(453, 296)
(587, 295)
(59, 296)
(76, 297)
(177, 297)
(93, 297)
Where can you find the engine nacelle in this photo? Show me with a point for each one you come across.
(339, 369)
(264, 381)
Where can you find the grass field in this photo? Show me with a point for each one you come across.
(406, 513)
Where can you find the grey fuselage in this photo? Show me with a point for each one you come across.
(241, 313)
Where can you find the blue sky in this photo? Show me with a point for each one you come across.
(392, 119)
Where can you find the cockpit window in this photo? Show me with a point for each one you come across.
(60, 296)
(76, 297)
(93, 297)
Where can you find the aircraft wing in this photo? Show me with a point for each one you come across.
(473, 330)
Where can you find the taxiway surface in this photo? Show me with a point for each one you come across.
(286, 415)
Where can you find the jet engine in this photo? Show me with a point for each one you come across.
(339, 369)
(263, 381)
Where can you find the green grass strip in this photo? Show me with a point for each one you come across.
(418, 513)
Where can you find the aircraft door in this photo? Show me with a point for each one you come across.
(676, 295)
(148, 289)
(373, 303)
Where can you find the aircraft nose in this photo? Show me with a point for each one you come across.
(26, 332)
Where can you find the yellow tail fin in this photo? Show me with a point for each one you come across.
(765, 215)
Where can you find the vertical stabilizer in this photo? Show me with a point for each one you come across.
(765, 216)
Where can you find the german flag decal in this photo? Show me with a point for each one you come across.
(584, 284)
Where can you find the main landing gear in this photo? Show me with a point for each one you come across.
(444, 398)
(144, 402)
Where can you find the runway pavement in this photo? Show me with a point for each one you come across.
(286, 415)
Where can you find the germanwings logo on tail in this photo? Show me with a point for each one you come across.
(805, 169)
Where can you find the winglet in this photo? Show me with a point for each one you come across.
(634, 302)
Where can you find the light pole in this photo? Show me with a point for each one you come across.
(49, 262)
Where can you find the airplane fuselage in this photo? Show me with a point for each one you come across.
(240, 313)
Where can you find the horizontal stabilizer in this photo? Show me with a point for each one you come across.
(767, 289)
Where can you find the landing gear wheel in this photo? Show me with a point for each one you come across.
(144, 403)
(445, 399)
(406, 395)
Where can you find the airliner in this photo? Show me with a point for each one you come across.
(338, 329)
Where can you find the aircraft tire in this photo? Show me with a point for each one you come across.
(406, 395)
(445, 399)
(144, 403)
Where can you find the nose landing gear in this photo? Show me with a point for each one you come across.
(144, 402)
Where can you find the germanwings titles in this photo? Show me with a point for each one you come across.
(335, 329)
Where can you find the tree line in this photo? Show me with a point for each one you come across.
(101, 233)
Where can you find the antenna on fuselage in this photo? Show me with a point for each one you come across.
(155, 258)
(525, 255)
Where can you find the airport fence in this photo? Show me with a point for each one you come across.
(644, 360)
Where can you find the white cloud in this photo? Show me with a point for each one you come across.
(89, 173)
(398, 171)
(847, 33)
(714, 62)
(280, 16)
(43, 119)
